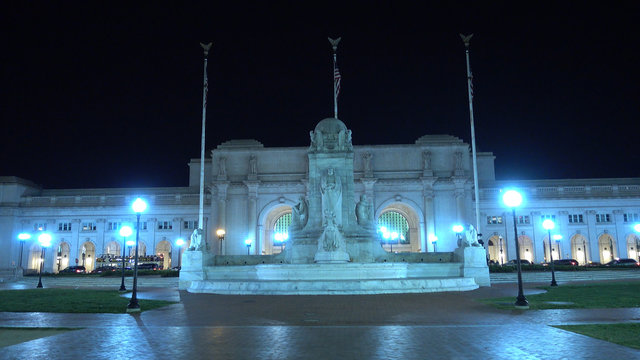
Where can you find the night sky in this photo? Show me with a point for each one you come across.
(110, 95)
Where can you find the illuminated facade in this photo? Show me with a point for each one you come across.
(419, 191)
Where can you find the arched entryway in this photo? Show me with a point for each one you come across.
(398, 228)
(276, 230)
(35, 252)
(497, 249)
(163, 249)
(87, 255)
(633, 241)
(63, 252)
(555, 249)
(526, 248)
(607, 248)
(580, 249)
(113, 249)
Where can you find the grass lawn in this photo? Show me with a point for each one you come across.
(588, 296)
(11, 336)
(71, 301)
(621, 334)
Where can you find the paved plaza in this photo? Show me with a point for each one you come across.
(402, 326)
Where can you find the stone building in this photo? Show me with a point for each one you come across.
(418, 192)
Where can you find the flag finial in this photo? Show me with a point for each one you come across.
(334, 43)
(466, 39)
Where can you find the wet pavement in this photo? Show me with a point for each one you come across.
(398, 326)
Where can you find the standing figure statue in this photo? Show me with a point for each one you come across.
(253, 165)
(458, 160)
(364, 211)
(331, 189)
(196, 240)
(366, 164)
(222, 167)
(300, 214)
(426, 157)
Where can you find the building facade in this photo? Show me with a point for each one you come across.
(418, 191)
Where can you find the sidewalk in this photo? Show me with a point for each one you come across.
(401, 326)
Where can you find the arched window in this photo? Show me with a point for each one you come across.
(393, 228)
(281, 232)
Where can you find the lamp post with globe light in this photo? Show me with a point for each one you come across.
(458, 230)
(513, 199)
(549, 225)
(45, 241)
(125, 232)
(220, 233)
(138, 207)
(23, 237)
(636, 227)
(248, 243)
(179, 244)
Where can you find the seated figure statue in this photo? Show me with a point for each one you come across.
(364, 211)
(196, 240)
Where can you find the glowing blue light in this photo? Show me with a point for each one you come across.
(44, 239)
(131, 242)
(557, 237)
(636, 227)
(179, 242)
(139, 206)
(512, 198)
(248, 242)
(548, 224)
(24, 236)
(458, 228)
(394, 235)
(281, 237)
(126, 231)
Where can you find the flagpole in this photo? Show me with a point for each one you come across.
(336, 76)
(205, 90)
(466, 40)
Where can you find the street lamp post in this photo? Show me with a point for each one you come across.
(23, 237)
(179, 243)
(584, 249)
(45, 241)
(458, 229)
(501, 254)
(248, 243)
(549, 225)
(220, 233)
(636, 227)
(138, 207)
(513, 199)
(125, 232)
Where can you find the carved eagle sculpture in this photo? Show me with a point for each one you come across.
(466, 39)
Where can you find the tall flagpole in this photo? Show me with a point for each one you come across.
(336, 75)
(205, 90)
(466, 40)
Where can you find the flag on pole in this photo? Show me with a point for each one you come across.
(336, 81)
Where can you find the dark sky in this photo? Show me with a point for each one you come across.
(110, 95)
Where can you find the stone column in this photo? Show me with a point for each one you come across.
(429, 213)
(459, 195)
(592, 233)
(222, 211)
(252, 193)
(620, 232)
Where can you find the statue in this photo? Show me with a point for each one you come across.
(312, 136)
(426, 158)
(469, 238)
(196, 240)
(222, 166)
(331, 189)
(300, 214)
(364, 211)
(366, 164)
(342, 137)
(253, 165)
(331, 235)
(458, 160)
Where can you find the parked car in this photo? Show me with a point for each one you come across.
(75, 270)
(623, 262)
(148, 266)
(570, 262)
(522, 262)
(102, 269)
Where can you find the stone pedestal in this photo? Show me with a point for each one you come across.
(331, 257)
(193, 263)
(474, 264)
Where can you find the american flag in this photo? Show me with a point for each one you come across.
(336, 81)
